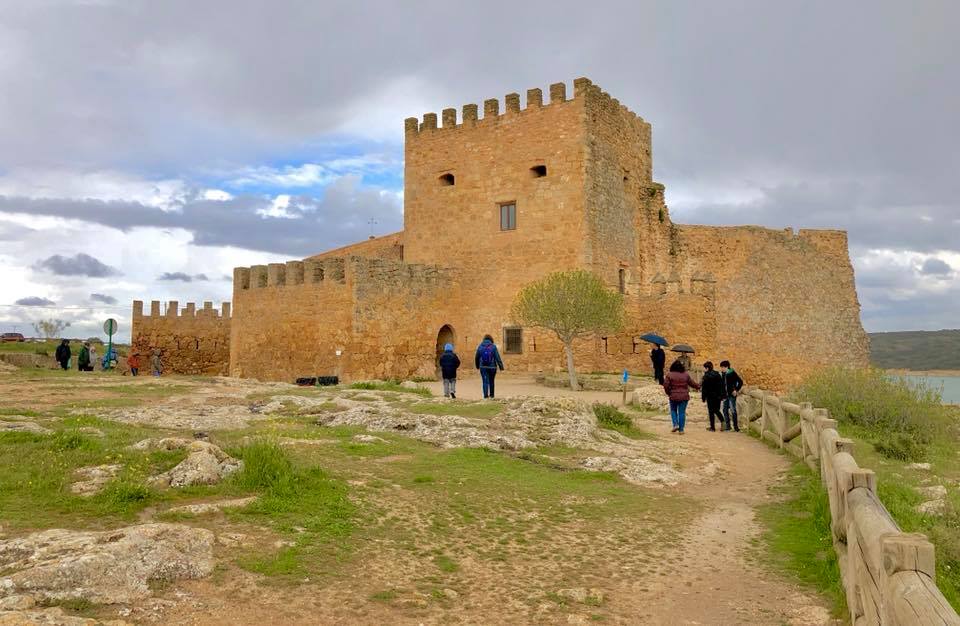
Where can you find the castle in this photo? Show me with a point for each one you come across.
(494, 202)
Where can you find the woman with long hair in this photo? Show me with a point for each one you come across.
(677, 384)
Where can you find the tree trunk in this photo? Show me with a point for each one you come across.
(568, 348)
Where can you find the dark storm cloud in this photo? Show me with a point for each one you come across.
(34, 301)
(340, 217)
(80, 264)
(102, 298)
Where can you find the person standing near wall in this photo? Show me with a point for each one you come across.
(731, 388)
(156, 364)
(63, 354)
(659, 359)
(133, 362)
(711, 392)
(487, 360)
(677, 384)
(93, 357)
(449, 362)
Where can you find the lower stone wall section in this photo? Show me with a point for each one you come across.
(194, 341)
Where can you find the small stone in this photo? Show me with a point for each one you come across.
(369, 439)
(919, 466)
(17, 603)
(932, 507)
(451, 594)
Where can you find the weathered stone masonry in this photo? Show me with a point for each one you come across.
(191, 341)
(578, 172)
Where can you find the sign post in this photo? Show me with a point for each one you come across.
(626, 377)
(110, 327)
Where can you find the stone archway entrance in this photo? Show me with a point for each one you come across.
(445, 336)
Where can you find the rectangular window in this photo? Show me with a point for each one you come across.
(513, 340)
(623, 281)
(508, 216)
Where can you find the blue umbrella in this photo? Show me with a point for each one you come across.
(655, 339)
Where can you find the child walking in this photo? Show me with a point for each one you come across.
(449, 362)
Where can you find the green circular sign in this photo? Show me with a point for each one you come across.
(110, 326)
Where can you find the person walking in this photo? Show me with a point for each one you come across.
(83, 361)
(677, 384)
(659, 358)
(93, 357)
(156, 364)
(487, 360)
(133, 362)
(449, 362)
(731, 389)
(711, 392)
(63, 354)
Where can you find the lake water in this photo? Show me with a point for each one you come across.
(949, 386)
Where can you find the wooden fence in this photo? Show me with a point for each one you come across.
(888, 575)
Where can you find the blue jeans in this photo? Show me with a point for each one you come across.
(678, 413)
(488, 375)
(730, 410)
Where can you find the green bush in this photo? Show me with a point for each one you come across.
(610, 416)
(900, 417)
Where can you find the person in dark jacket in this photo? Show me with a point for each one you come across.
(659, 359)
(63, 354)
(711, 392)
(487, 360)
(83, 361)
(677, 384)
(449, 362)
(731, 388)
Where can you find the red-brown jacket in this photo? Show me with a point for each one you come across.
(677, 385)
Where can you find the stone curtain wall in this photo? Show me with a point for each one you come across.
(191, 341)
(889, 576)
(384, 247)
(291, 319)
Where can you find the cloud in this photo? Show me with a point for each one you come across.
(936, 267)
(80, 264)
(340, 217)
(103, 299)
(182, 277)
(34, 301)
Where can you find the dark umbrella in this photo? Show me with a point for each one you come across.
(682, 347)
(655, 339)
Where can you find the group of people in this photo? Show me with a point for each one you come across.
(487, 360)
(717, 389)
(86, 360)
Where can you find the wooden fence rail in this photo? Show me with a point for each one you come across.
(888, 575)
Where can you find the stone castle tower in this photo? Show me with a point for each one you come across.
(495, 202)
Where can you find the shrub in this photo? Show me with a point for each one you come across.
(902, 417)
(610, 416)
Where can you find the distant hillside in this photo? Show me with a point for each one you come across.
(916, 350)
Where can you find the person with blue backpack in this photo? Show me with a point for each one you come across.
(487, 360)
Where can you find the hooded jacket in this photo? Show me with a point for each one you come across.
(711, 387)
(63, 353)
(84, 359)
(497, 362)
(449, 362)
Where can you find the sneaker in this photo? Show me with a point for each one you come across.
(681, 432)
(675, 429)
(736, 429)
(711, 429)
(453, 395)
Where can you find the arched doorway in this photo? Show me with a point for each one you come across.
(445, 336)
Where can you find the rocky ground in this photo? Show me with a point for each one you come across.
(405, 509)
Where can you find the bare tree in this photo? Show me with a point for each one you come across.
(50, 329)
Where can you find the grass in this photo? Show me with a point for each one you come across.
(302, 502)
(390, 385)
(799, 537)
(611, 418)
(483, 410)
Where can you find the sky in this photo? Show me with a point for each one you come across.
(147, 148)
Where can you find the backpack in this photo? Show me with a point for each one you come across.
(486, 355)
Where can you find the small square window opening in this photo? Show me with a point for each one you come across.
(538, 171)
(513, 340)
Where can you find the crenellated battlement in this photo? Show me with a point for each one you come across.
(189, 311)
(583, 91)
(335, 271)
